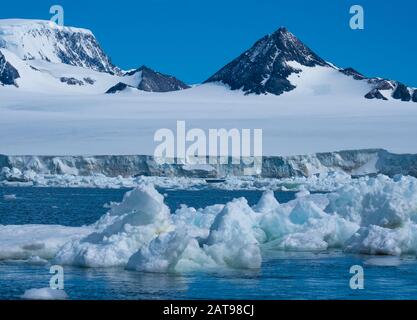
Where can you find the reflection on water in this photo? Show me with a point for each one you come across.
(285, 276)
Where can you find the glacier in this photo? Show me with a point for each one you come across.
(369, 215)
(333, 169)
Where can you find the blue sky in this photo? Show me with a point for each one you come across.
(192, 39)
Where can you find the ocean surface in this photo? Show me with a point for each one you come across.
(283, 275)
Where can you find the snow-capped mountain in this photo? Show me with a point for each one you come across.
(264, 69)
(44, 40)
(40, 56)
(303, 104)
(280, 62)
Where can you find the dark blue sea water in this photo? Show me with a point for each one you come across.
(83, 206)
(282, 276)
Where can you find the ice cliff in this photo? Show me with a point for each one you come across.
(354, 163)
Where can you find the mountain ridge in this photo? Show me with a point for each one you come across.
(38, 51)
(265, 68)
(44, 40)
(41, 50)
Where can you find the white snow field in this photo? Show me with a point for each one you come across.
(308, 120)
(368, 215)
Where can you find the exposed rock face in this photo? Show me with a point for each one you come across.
(71, 81)
(352, 72)
(375, 94)
(382, 84)
(414, 95)
(266, 67)
(402, 93)
(8, 74)
(153, 81)
(118, 88)
(89, 80)
(263, 68)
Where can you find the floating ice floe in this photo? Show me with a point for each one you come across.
(368, 216)
(327, 181)
(23, 242)
(9, 197)
(44, 294)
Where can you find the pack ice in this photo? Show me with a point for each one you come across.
(368, 215)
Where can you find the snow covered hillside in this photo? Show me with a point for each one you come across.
(279, 61)
(49, 58)
(44, 40)
(53, 83)
(293, 124)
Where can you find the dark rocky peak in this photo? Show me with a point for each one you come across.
(264, 67)
(153, 81)
(290, 48)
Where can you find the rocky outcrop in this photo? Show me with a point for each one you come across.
(401, 92)
(353, 73)
(119, 87)
(375, 94)
(8, 74)
(414, 97)
(71, 81)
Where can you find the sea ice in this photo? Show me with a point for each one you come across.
(368, 215)
(44, 294)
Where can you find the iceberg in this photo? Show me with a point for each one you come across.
(368, 215)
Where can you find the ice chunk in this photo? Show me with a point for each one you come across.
(44, 241)
(44, 294)
(127, 227)
(369, 215)
(173, 251)
(305, 210)
(377, 240)
(9, 197)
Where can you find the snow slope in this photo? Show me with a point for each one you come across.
(67, 60)
(44, 77)
(312, 119)
(274, 61)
